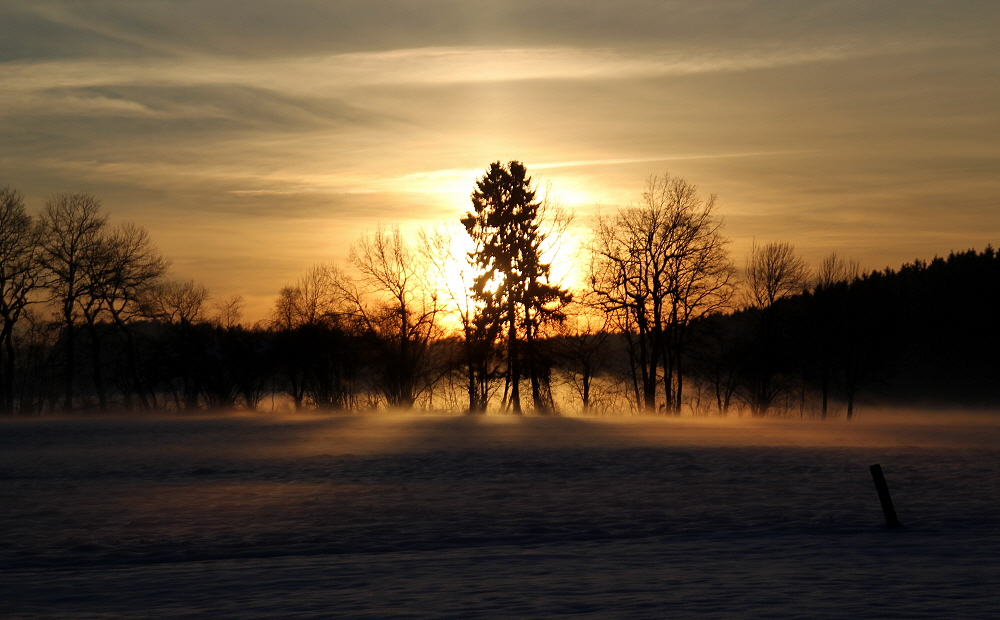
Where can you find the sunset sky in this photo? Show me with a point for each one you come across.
(254, 139)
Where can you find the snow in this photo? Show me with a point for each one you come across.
(405, 516)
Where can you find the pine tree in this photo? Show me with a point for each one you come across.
(513, 285)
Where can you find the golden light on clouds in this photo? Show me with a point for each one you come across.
(255, 145)
(417, 66)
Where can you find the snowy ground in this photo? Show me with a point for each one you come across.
(384, 516)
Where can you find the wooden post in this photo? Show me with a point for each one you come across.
(883, 496)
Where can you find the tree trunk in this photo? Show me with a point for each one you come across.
(540, 400)
(680, 386)
(825, 387)
(70, 361)
(7, 373)
(473, 400)
(648, 364)
(633, 375)
(134, 368)
(668, 380)
(513, 366)
(98, 372)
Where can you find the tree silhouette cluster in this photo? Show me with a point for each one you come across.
(665, 321)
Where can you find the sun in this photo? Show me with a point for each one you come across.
(450, 275)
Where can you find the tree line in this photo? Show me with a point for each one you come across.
(664, 321)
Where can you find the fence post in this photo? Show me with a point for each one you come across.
(883, 496)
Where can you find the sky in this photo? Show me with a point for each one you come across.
(254, 139)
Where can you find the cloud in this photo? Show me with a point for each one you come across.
(861, 126)
(250, 29)
(432, 66)
(243, 104)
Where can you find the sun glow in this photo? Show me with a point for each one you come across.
(451, 275)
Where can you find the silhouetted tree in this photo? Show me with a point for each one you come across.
(175, 302)
(773, 273)
(834, 269)
(658, 267)
(181, 307)
(228, 311)
(399, 306)
(513, 284)
(316, 345)
(479, 323)
(131, 266)
(20, 273)
(35, 374)
(583, 348)
(72, 227)
(861, 340)
(717, 358)
(119, 268)
(825, 318)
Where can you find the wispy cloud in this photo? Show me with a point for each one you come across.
(456, 65)
(426, 66)
(583, 163)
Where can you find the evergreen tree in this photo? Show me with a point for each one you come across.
(513, 282)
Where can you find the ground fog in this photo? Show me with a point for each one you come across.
(388, 515)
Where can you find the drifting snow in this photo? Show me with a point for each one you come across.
(440, 516)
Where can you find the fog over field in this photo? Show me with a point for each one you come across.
(423, 515)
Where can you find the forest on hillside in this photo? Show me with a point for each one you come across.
(665, 321)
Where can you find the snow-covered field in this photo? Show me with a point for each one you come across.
(391, 516)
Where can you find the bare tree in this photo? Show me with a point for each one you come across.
(479, 329)
(20, 273)
(583, 349)
(72, 228)
(127, 266)
(309, 319)
(700, 275)
(827, 321)
(657, 267)
(774, 271)
(175, 302)
(717, 358)
(229, 311)
(834, 269)
(399, 305)
(317, 297)
(182, 306)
